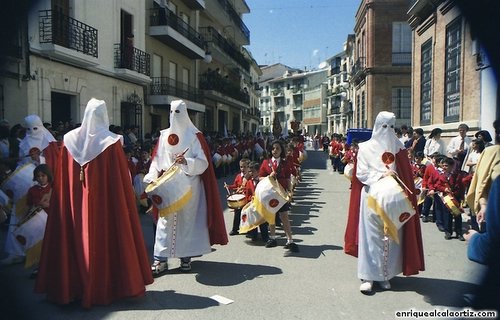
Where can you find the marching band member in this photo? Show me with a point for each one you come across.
(380, 257)
(277, 167)
(253, 169)
(238, 186)
(200, 223)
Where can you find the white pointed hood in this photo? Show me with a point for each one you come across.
(384, 144)
(93, 136)
(36, 135)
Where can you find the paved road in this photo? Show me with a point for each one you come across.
(319, 282)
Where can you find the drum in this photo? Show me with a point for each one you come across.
(217, 159)
(18, 183)
(418, 189)
(250, 218)
(236, 201)
(389, 201)
(170, 192)
(30, 232)
(269, 198)
(16, 186)
(348, 169)
(452, 204)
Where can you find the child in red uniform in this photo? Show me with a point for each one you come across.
(449, 182)
(238, 187)
(39, 194)
(276, 166)
(253, 169)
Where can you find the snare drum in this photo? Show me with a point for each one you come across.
(269, 198)
(250, 218)
(452, 205)
(348, 169)
(16, 186)
(236, 201)
(29, 233)
(170, 192)
(389, 201)
(18, 183)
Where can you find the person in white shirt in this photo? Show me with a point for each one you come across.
(457, 147)
(434, 143)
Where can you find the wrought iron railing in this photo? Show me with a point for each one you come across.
(211, 35)
(228, 7)
(166, 17)
(168, 86)
(131, 58)
(358, 67)
(213, 81)
(57, 28)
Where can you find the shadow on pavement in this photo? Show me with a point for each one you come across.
(311, 251)
(230, 274)
(437, 292)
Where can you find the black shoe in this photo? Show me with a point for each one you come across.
(447, 235)
(461, 237)
(185, 264)
(271, 243)
(425, 219)
(292, 246)
(234, 233)
(441, 228)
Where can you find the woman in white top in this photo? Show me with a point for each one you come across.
(434, 143)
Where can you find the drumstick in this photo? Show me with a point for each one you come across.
(399, 180)
(181, 154)
(227, 189)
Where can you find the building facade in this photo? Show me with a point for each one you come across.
(381, 69)
(452, 81)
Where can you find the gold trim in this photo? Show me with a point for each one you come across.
(389, 227)
(263, 211)
(177, 205)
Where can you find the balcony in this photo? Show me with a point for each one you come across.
(132, 64)
(235, 17)
(214, 38)
(358, 70)
(171, 30)
(66, 39)
(163, 90)
(214, 82)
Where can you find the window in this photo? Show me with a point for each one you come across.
(452, 73)
(401, 43)
(401, 103)
(426, 83)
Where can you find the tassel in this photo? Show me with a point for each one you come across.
(82, 176)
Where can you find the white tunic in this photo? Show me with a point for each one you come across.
(379, 257)
(184, 233)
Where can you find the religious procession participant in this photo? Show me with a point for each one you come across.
(93, 249)
(382, 251)
(191, 230)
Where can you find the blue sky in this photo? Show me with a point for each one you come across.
(298, 33)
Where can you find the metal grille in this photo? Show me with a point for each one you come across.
(57, 28)
(131, 58)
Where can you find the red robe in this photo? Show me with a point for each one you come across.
(215, 213)
(413, 255)
(93, 249)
